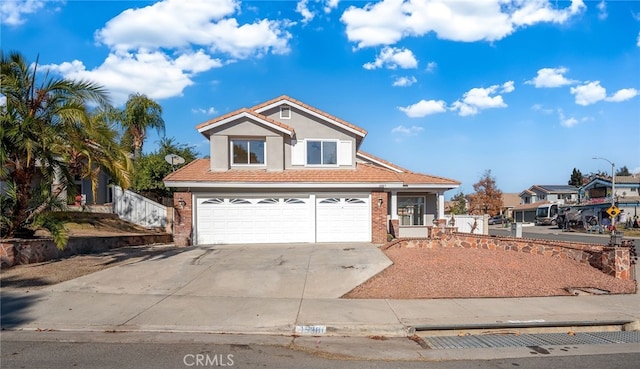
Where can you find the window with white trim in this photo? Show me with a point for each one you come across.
(321, 152)
(215, 201)
(411, 210)
(248, 152)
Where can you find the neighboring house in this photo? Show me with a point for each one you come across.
(284, 171)
(509, 201)
(554, 193)
(597, 194)
(526, 213)
(83, 189)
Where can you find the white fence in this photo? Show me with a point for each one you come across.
(138, 209)
(475, 224)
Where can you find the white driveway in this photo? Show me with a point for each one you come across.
(268, 271)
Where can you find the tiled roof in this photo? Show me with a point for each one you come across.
(385, 162)
(248, 111)
(626, 179)
(510, 200)
(556, 188)
(309, 107)
(408, 176)
(198, 171)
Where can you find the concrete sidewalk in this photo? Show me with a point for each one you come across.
(76, 311)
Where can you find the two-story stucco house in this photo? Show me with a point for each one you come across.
(284, 171)
(554, 193)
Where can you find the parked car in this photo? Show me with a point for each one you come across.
(498, 219)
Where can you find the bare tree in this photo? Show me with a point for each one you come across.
(488, 198)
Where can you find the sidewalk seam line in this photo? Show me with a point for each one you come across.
(393, 311)
(304, 288)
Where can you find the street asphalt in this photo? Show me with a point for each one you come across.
(281, 290)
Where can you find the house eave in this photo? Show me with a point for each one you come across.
(364, 156)
(244, 115)
(315, 185)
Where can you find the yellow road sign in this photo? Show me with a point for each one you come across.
(613, 211)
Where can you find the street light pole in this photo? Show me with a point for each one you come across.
(613, 186)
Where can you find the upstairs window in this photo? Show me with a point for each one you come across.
(248, 152)
(322, 152)
(285, 112)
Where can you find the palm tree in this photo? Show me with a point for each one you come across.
(92, 151)
(41, 124)
(140, 114)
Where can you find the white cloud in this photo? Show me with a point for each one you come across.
(589, 93)
(158, 49)
(542, 109)
(566, 122)
(209, 111)
(638, 41)
(3, 100)
(507, 87)
(623, 95)
(407, 131)
(431, 67)
(177, 24)
(330, 5)
(423, 108)
(303, 9)
(12, 12)
(551, 77)
(536, 11)
(392, 58)
(404, 81)
(308, 9)
(388, 21)
(151, 73)
(569, 122)
(602, 8)
(479, 98)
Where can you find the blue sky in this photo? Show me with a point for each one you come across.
(526, 89)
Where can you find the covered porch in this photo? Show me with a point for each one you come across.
(411, 212)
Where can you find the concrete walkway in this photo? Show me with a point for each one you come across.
(276, 290)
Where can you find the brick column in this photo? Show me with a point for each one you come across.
(394, 227)
(379, 217)
(183, 222)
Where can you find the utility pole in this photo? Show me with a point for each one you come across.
(613, 186)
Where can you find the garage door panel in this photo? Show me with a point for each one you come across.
(343, 219)
(254, 220)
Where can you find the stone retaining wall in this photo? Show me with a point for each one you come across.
(23, 251)
(614, 261)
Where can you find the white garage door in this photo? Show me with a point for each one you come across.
(254, 220)
(343, 219)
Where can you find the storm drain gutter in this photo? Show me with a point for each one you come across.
(517, 324)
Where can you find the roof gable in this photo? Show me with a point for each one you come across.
(245, 113)
(286, 100)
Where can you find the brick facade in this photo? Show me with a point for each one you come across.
(379, 217)
(614, 261)
(183, 222)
